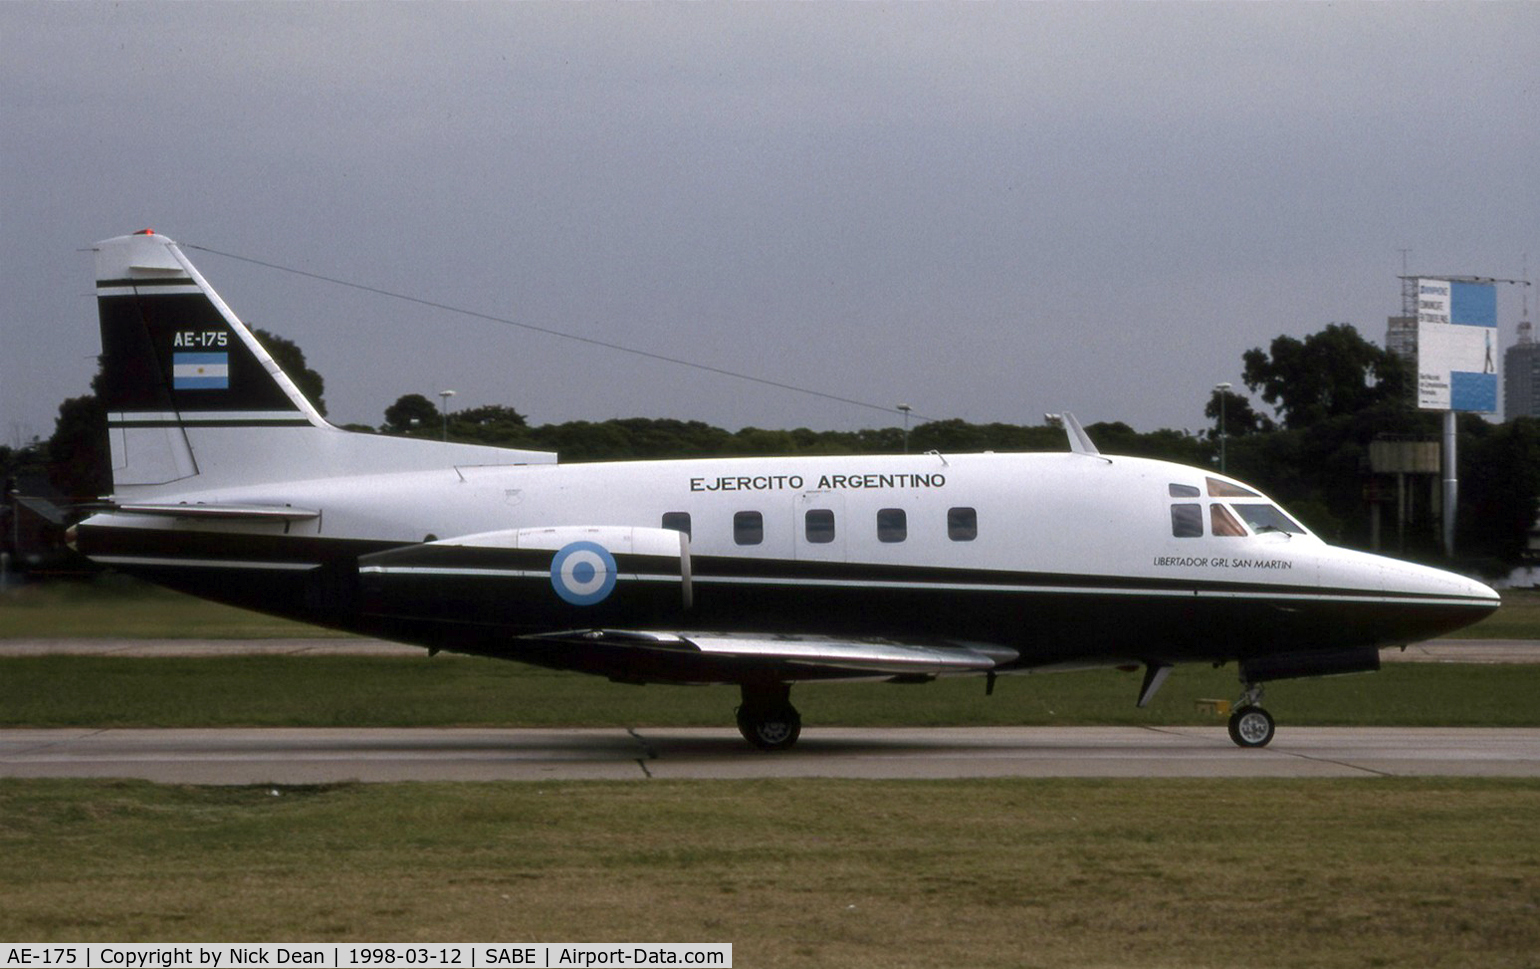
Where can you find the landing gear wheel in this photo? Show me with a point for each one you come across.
(1251, 726)
(774, 728)
(767, 719)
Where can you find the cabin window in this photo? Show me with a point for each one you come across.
(748, 528)
(679, 521)
(892, 525)
(818, 526)
(1225, 489)
(1187, 521)
(1183, 491)
(1268, 518)
(1222, 523)
(962, 524)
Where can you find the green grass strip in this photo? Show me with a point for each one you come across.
(447, 690)
(807, 873)
(116, 607)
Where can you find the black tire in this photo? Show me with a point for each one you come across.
(770, 729)
(1251, 727)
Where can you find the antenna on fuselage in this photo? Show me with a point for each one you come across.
(1079, 440)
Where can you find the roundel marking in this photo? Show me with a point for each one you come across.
(583, 573)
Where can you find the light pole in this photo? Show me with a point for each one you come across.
(443, 410)
(905, 409)
(1224, 427)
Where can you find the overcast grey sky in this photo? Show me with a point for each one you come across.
(985, 212)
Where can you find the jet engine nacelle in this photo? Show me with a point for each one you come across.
(534, 578)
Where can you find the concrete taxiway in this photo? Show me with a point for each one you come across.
(309, 756)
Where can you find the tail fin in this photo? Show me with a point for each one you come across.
(171, 346)
(191, 394)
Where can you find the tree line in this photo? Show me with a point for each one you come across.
(1332, 393)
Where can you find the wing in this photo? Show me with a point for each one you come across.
(794, 657)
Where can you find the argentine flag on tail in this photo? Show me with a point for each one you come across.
(200, 371)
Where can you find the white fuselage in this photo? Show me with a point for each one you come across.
(1049, 513)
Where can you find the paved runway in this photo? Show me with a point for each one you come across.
(305, 756)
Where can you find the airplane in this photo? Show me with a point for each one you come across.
(755, 572)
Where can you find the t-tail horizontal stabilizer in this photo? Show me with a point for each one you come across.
(220, 512)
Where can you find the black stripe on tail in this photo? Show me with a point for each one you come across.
(167, 348)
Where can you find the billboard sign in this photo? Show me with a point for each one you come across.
(1456, 345)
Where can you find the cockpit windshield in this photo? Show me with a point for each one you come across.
(1228, 489)
(1260, 516)
(1267, 518)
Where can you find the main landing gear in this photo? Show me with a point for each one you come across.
(767, 719)
(1250, 725)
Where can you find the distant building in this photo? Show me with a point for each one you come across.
(1521, 376)
(1401, 337)
(34, 519)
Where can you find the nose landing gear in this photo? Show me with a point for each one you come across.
(1250, 725)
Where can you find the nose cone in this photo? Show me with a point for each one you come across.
(1417, 602)
(1481, 592)
(1465, 601)
(1408, 578)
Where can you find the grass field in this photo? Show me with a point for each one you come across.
(117, 607)
(357, 691)
(1019, 873)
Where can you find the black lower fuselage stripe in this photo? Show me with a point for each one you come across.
(481, 599)
(464, 562)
